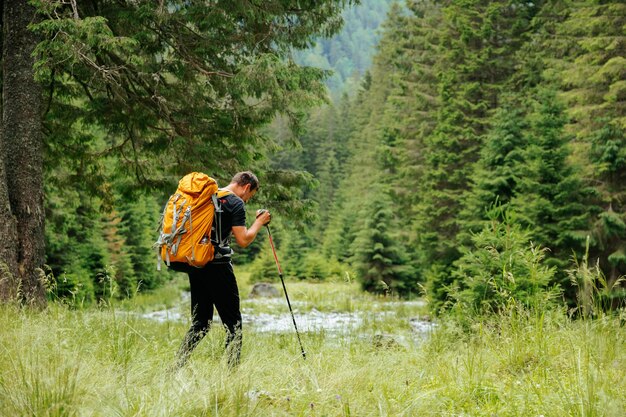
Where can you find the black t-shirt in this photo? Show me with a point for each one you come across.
(233, 214)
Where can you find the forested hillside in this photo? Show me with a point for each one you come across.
(484, 156)
(348, 54)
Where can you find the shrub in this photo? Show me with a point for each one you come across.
(502, 267)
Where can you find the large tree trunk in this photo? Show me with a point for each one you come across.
(22, 252)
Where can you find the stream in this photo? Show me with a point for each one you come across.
(276, 318)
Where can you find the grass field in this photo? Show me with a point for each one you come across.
(107, 362)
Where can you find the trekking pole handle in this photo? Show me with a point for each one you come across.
(260, 212)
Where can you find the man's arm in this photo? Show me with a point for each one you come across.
(244, 236)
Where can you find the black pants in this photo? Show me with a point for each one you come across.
(213, 285)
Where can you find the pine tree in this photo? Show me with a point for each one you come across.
(71, 230)
(296, 245)
(592, 76)
(608, 155)
(173, 86)
(495, 180)
(339, 234)
(416, 95)
(119, 268)
(592, 79)
(332, 167)
(356, 188)
(138, 225)
(76, 251)
(380, 259)
(263, 269)
(551, 198)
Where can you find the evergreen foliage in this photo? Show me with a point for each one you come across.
(76, 253)
(591, 74)
(478, 133)
(380, 260)
(263, 269)
(349, 53)
(477, 58)
(138, 230)
(470, 104)
(380, 147)
(608, 156)
(180, 85)
(551, 198)
(339, 234)
(85, 247)
(498, 171)
(502, 267)
(139, 93)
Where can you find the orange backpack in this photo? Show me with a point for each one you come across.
(187, 220)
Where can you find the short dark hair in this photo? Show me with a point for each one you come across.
(246, 177)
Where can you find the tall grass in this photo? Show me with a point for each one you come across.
(98, 362)
(594, 293)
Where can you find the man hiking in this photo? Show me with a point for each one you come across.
(215, 284)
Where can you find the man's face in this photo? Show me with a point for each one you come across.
(247, 195)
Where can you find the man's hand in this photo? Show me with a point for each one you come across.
(263, 216)
(244, 236)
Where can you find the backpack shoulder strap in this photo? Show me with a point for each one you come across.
(222, 192)
(219, 194)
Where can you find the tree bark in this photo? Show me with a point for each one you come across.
(22, 250)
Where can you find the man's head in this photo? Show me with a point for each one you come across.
(244, 184)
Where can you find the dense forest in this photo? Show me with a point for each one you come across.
(106, 105)
(481, 157)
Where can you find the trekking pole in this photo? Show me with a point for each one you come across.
(280, 274)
